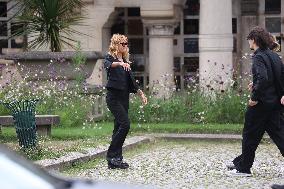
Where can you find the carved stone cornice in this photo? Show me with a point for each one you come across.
(161, 29)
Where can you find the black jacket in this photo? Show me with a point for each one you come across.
(268, 77)
(117, 77)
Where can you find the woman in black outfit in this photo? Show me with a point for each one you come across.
(120, 84)
(276, 47)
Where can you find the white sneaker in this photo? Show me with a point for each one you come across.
(230, 166)
(237, 173)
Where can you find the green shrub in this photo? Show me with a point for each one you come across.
(189, 107)
(73, 111)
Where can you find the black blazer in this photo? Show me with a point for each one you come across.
(117, 77)
(268, 77)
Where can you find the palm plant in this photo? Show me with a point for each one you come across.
(48, 22)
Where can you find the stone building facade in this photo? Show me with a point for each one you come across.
(172, 40)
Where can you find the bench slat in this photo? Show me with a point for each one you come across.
(43, 123)
(40, 120)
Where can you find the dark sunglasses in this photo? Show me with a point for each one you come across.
(124, 44)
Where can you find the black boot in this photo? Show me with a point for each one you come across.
(276, 186)
(117, 163)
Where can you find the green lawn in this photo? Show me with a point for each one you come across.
(187, 128)
(64, 140)
(102, 130)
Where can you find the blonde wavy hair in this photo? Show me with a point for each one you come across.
(113, 47)
(274, 45)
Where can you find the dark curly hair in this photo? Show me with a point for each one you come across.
(261, 37)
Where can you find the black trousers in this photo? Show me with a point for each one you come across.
(118, 104)
(258, 120)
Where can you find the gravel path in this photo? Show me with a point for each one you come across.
(191, 164)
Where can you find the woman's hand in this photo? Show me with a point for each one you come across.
(250, 86)
(252, 103)
(143, 97)
(125, 66)
(282, 100)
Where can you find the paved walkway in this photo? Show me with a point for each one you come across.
(193, 164)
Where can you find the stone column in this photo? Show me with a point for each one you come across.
(161, 78)
(250, 19)
(160, 19)
(98, 15)
(215, 44)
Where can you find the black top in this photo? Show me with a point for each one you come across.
(118, 78)
(268, 77)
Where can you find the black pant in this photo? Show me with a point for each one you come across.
(259, 119)
(118, 104)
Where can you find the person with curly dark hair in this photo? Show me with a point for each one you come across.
(266, 101)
